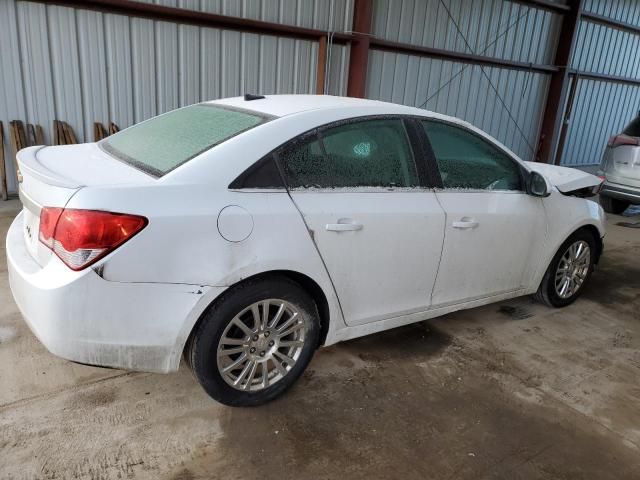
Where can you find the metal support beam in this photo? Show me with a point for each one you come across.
(408, 49)
(610, 22)
(359, 55)
(558, 88)
(603, 77)
(567, 119)
(202, 19)
(544, 5)
(321, 66)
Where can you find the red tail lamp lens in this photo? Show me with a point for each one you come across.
(48, 219)
(81, 237)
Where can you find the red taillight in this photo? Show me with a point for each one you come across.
(618, 140)
(48, 219)
(81, 237)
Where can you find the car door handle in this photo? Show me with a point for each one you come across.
(343, 227)
(465, 224)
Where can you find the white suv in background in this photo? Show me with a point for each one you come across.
(620, 168)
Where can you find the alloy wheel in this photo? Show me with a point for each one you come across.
(573, 269)
(261, 345)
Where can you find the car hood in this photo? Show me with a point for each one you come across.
(565, 179)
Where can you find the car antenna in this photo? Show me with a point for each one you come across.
(250, 96)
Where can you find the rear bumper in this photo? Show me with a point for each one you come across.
(84, 318)
(621, 192)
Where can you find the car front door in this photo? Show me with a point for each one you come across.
(367, 205)
(494, 230)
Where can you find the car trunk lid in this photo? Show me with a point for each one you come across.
(50, 176)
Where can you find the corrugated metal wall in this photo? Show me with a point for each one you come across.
(495, 28)
(426, 23)
(82, 66)
(601, 109)
(412, 80)
(622, 10)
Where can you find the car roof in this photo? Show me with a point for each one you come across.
(293, 115)
(284, 105)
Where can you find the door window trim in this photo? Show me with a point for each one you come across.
(431, 158)
(417, 150)
(422, 146)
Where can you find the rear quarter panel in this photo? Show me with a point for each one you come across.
(182, 243)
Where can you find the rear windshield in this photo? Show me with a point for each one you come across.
(633, 129)
(163, 143)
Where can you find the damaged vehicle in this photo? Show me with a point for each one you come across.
(242, 234)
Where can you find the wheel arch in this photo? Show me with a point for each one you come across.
(308, 285)
(315, 292)
(595, 232)
(593, 229)
(542, 294)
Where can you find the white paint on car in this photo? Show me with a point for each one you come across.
(563, 178)
(382, 256)
(235, 223)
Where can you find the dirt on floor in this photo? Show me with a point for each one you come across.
(511, 390)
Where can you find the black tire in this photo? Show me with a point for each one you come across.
(613, 205)
(547, 290)
(201, 349)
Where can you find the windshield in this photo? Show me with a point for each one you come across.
(163, 143)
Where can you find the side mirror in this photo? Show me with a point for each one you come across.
(538, 185)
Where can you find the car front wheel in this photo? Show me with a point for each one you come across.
(569, 270)
(255, 342)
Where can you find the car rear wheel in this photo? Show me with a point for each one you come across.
(254, 343)
(569, 270)
(613, 205)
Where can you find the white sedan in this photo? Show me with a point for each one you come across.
(244, 233)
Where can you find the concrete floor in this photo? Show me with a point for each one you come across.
(511, 390)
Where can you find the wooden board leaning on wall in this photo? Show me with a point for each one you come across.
(21, 136)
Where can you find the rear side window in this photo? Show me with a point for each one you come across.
(163, 143)
(368, 153)
(262, 174)
(467, 161)
(633, 129)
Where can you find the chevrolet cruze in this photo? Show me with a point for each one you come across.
(242, 234)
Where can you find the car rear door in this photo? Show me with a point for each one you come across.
(368, 206)
(494, 230)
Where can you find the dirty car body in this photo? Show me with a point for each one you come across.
(283, 186)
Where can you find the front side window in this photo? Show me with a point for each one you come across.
(163, 143)
(368, 153)
(467, 161)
